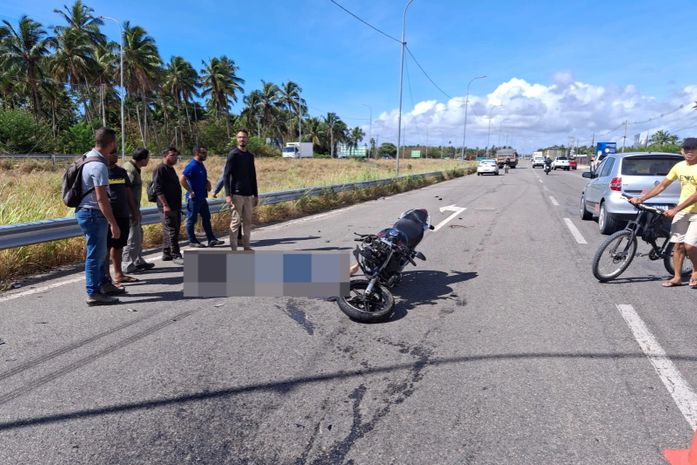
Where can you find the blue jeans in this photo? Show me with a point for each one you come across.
(94, 227)
(193, 209)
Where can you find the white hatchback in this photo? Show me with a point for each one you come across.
(487, 167)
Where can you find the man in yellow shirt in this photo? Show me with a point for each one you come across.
(683, 230)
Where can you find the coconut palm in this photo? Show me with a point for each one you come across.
(141, 62)
(81, 19)
(270, 106)
(331, 121)
(180, 82)
(105, 69)
(22, 51)
(221, 84)
(252, 114)
(292, 101)
(73, 61)
(662, 137)
(355, 136)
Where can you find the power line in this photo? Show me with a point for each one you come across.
(366, 23)
(425, 73)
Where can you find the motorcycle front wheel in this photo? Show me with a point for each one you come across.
(373, 308)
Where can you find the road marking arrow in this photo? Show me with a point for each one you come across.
(456, 211)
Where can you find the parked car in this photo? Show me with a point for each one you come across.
(538, 161)
(572, 163)
(487, 167)
(561, 163)
(630, 175)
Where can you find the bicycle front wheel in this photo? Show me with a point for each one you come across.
(614, 255)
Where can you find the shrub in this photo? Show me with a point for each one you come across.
(21, 133)
(79, 138)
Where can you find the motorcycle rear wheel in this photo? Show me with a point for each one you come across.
(375, 308)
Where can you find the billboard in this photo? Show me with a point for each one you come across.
(416, 154)
(604, 148)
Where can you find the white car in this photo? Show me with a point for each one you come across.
(561, 163)
(538, 161)
(487, 167)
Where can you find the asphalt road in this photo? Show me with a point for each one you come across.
(503, 349)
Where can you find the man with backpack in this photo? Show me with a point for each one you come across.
(94, 215)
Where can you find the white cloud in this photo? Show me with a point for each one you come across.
(532, 115)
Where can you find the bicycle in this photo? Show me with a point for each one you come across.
(650, 224)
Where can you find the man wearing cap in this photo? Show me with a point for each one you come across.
(683, 230)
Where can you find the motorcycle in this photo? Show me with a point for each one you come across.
(382, 257)
(548, 168)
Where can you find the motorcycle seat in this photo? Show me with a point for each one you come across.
(413, 231)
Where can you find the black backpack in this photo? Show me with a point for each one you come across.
(72, 181)
(152, 196)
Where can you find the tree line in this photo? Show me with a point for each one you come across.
(59, 83)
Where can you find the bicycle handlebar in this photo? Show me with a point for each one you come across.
(641, 206)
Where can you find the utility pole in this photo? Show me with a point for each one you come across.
(401, 83)
(624, 139)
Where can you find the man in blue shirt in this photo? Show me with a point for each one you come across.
(194, 180)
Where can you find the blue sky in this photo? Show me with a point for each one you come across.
(556, 70)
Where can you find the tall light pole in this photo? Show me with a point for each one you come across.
(464, 132)
(370, 131)
(488, 133)
(123, 90)
(401, 81)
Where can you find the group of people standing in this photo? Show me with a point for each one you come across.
(109, 212)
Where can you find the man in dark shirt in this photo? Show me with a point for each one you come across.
(194, 180)
(133, 252)
(169, 202)
(241, 191)
(125, 211)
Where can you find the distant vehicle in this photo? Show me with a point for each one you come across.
(297, 150)
(628, 174)
(538, 161)
(507, 154)
(561, 163)
(573, 163)
(487, 166)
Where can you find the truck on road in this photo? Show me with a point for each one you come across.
(510, 155)
(297, 150)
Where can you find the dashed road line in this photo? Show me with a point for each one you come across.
(575, 232)
(554, 201)
(683, 395)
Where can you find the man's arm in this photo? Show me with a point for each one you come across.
(227, 181)
(653, 192)
(184, 181)
(135, 213)
(681, 206)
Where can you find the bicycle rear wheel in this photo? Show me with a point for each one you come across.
(668, 262)
(614, 255)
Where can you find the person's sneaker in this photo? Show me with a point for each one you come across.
(166, 258)
(215, 242)
(145, 266)
(101, 299)
(131, 268)
(110, 289)
(177, 259)
(197, 245)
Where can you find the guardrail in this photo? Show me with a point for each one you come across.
(18, 235)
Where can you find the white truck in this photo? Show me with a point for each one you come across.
(297, 150)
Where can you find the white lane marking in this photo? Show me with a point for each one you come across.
(541, 181)
(554, 201)
(456, 211)
(575, 232)
(683, 395)
(41, 289)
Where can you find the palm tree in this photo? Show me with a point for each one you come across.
(355, 137)
(22, 51)
(331, 121)
(105, 69)
(221, 85)
(141, 61)
(290, 98)
(81, 19)
(314, 130)
(180, 82)
(73, 61)
(252, 111)
(270, 106)
(662, 137)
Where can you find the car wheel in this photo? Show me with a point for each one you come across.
(607, 223)
(585, 214)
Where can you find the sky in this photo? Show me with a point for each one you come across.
(556, 72)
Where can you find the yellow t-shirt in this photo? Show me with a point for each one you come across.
(687, 174)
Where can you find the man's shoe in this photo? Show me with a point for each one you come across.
(131, 268)
(166, 258)
(197, 245)
(101, 299)
(145, 266)
(248, 249)
(177, 259)
(110, 289)
(215, 242)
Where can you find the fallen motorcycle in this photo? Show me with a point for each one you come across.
(382, 257)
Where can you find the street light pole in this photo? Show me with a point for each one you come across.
(123, 91)
(401, 81)
(370, 131)
(464, 132)
(488, 133)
